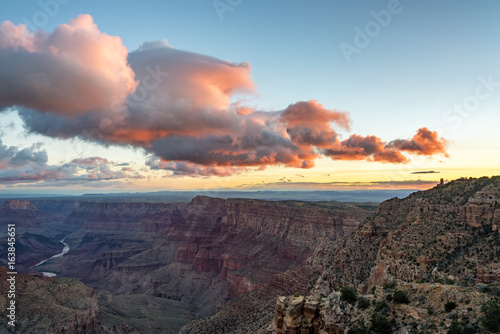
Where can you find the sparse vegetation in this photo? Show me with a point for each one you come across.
(348, 294)
(380, 324)
(491, 316)
(450, 306)
(390, 284)
(359, 329)
(363, 303)
(380, 305)
(460, 328)
(400, 297)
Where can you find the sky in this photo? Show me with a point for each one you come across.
(254, 95)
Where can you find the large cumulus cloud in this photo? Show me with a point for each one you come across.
(179, 106)
(71, 71)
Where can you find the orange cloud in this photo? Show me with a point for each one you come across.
(308, 124)
(370, 148)
(425, 142)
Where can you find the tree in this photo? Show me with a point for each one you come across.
(380, 324)
(348, 294)
(460, 328)
(491, 315)
(400, 297)
(363, 303)
(449, 306)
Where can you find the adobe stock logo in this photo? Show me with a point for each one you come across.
(221, 7)
(471, 103)
(372, 29)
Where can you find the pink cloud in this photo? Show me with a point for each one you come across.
(73, 70)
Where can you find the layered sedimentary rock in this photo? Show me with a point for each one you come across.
(483, 208)
(122, 216)
(22, 213)
(444, 235)
(196, 256)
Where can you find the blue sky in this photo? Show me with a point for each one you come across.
(430, 56)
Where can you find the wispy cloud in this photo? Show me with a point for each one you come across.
(426, 172)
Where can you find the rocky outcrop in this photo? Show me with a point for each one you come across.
(424, 311)
(426, 236)
(483, 208)
(444, 235)
(49, 305)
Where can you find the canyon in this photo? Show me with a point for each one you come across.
(427, 263)
(176, 262)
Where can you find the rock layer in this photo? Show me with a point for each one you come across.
(49, 305)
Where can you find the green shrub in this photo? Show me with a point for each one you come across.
(380, 305)
(449, 306)
(348, 294)
(460, 328)
(400, 297)
(296, 294)
(363, 303)
(491, 314)
(430, 310)
(359, 329)
(449, 281)
(390, 284)
(380, 324)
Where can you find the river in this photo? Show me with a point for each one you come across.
(64, 251)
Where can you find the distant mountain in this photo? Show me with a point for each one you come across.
(272, 195)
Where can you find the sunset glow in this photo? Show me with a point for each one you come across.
(88, 104)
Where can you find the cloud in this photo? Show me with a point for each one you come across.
(190, 169)
(71, 71)
(369, 148)
(425, 142)
(309, 124)
(372, 148)
(181, 107)
(288, 184)
(11, 156)
(426, 172)
(29, 166)
(90, 162)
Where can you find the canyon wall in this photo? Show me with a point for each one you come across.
(49, 305)
(445, 235)
(191, 258)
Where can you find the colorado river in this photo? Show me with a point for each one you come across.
(64, 251)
